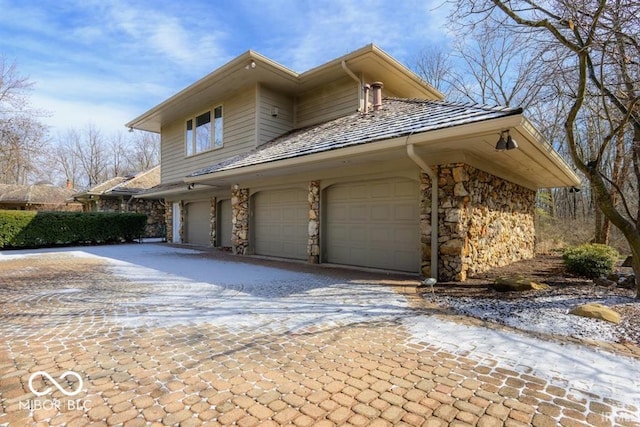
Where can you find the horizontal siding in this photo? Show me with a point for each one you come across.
(330, 101)
(269, 126)
(239, 115)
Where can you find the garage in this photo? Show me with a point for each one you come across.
(224, 223)
(373, 224)
(280, 223)
(198, 223)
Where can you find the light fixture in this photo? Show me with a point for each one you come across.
(190, 186)
(250, 65)
(507, 143)
(574, 190)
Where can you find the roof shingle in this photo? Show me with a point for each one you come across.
(398, 117)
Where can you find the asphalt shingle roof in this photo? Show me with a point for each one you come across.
(34, 194)
(398, 117)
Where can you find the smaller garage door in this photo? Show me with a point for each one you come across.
(374, 224)
(198, 223)
(281, 223)
(224, 223)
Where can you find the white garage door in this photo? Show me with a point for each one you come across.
(281, 223)
(374, 224)
(224, 223)
(198, 224)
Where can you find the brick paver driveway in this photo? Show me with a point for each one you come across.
(155, 335)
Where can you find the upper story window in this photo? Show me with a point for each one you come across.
(203, 134)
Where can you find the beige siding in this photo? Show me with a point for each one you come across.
(239, 113)
(273, 123)
(328, 102)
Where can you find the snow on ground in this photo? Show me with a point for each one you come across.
(579, 369)
(546, 313)
(179, 286)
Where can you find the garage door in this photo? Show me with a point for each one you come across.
(224, 223)
(198, 223)
(281, 223)
(374, 224)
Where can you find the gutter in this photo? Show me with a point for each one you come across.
(354, 77)
(434, 204)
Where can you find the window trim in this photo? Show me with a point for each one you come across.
(190, 147)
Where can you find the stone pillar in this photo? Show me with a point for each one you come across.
(240, 220)
(425, 224)
(213, 221)
(168, 220)
(453, 220)
(183, 217)
(313, 244)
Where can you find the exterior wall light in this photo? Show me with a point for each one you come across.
(506, 143)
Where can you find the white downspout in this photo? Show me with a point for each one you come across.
(354, 77)
(434, 205)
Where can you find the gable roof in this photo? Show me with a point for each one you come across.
(251, 68)
(34, 194)
(124, 185)
(398, 117)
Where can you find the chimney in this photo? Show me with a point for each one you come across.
(377, 95)
(69, 184)
(366, 88)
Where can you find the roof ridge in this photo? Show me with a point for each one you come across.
(504, 108)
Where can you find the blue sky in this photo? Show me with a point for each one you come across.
(105, 62)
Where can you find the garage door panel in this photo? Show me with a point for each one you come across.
(405, 189)
(281, 222)
(225, 225)
(404, 212)
(380, 228)
(198, 223)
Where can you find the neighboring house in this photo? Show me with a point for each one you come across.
(37, 197)
(116, 195)
(340, 165)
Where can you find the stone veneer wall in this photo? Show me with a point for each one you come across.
(183, 218)
(168, 220)
(313, 245)
(213, 218)
(153, 209)
(425, 224)
(240, 220)
(485, 221)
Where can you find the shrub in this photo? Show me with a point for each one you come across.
(30, 229)
(590, 260)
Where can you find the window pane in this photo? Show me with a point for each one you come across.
(203, 132)
(188, 138)
(217, 127)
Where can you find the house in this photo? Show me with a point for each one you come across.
(116, 195)
(37, 197)
(356, 162)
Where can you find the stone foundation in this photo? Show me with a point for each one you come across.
(168, 220)
(213, 218)
(153, 209)
(484, 222)
(240, 221)
(313, 245)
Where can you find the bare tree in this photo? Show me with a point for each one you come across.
(92, 153)
(433, 65)
(599, 42)
(145, 150)
(22, 136)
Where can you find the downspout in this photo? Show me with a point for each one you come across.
(434, 205)
(354, 77)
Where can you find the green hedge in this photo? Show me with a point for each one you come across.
(31, 229)
(590, 260)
